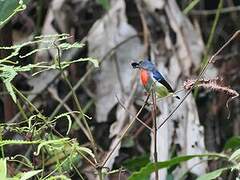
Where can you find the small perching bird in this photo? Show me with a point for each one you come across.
(150, 77)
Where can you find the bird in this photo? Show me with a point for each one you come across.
(150, 77)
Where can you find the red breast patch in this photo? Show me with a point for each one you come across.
(144, 77)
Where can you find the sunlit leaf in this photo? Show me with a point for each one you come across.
(86, 150)
(66, 46)
(29, 174)
(235, 155)
(7, 75)
(3, 168)
(212, 175)
(92, 60)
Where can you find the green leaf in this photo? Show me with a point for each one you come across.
(10, 90)
(151, 167)
(8, 8)
(50, 142)
(68, 118)
(86, 150)
(16, 142)
(69, 124)
(136, 163)
(3, 168)
(29, 174)
(66, 46)
(213, 174)
(95, 62)
(72, 160)
(235, 155)
(232, 143)
(7, 75)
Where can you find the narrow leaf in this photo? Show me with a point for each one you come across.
(213, 174)
(29, 174)
(3, 168)
(10, 90)
(190, 6)
(150, 168)
(86, 150)
(136, 163)
(235, 155)
(50, 142)
(232, 143)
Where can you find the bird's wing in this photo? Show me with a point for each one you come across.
(158, 77)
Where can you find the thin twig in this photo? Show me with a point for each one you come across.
(91, 138)
(148, 120)
(213, 12)
(211, 60)
(26, 99)
(56, 97)
(154, 132)
(126, 109)
(124, 132)
(93, 143)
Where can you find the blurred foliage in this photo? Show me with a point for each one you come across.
(105, 4)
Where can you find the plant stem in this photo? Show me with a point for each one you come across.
(22, 112)
(93, 143)
(125, 131)
(154, 132)
(100, 174)
(210, 39)
(32, 105)
(2, 149)
(25, 99)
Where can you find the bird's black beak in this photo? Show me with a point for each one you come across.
(135, 65)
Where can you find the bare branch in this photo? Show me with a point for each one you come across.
(211, 60)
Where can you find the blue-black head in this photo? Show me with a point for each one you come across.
(145, 64)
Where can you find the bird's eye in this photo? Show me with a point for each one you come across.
(135, 65)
